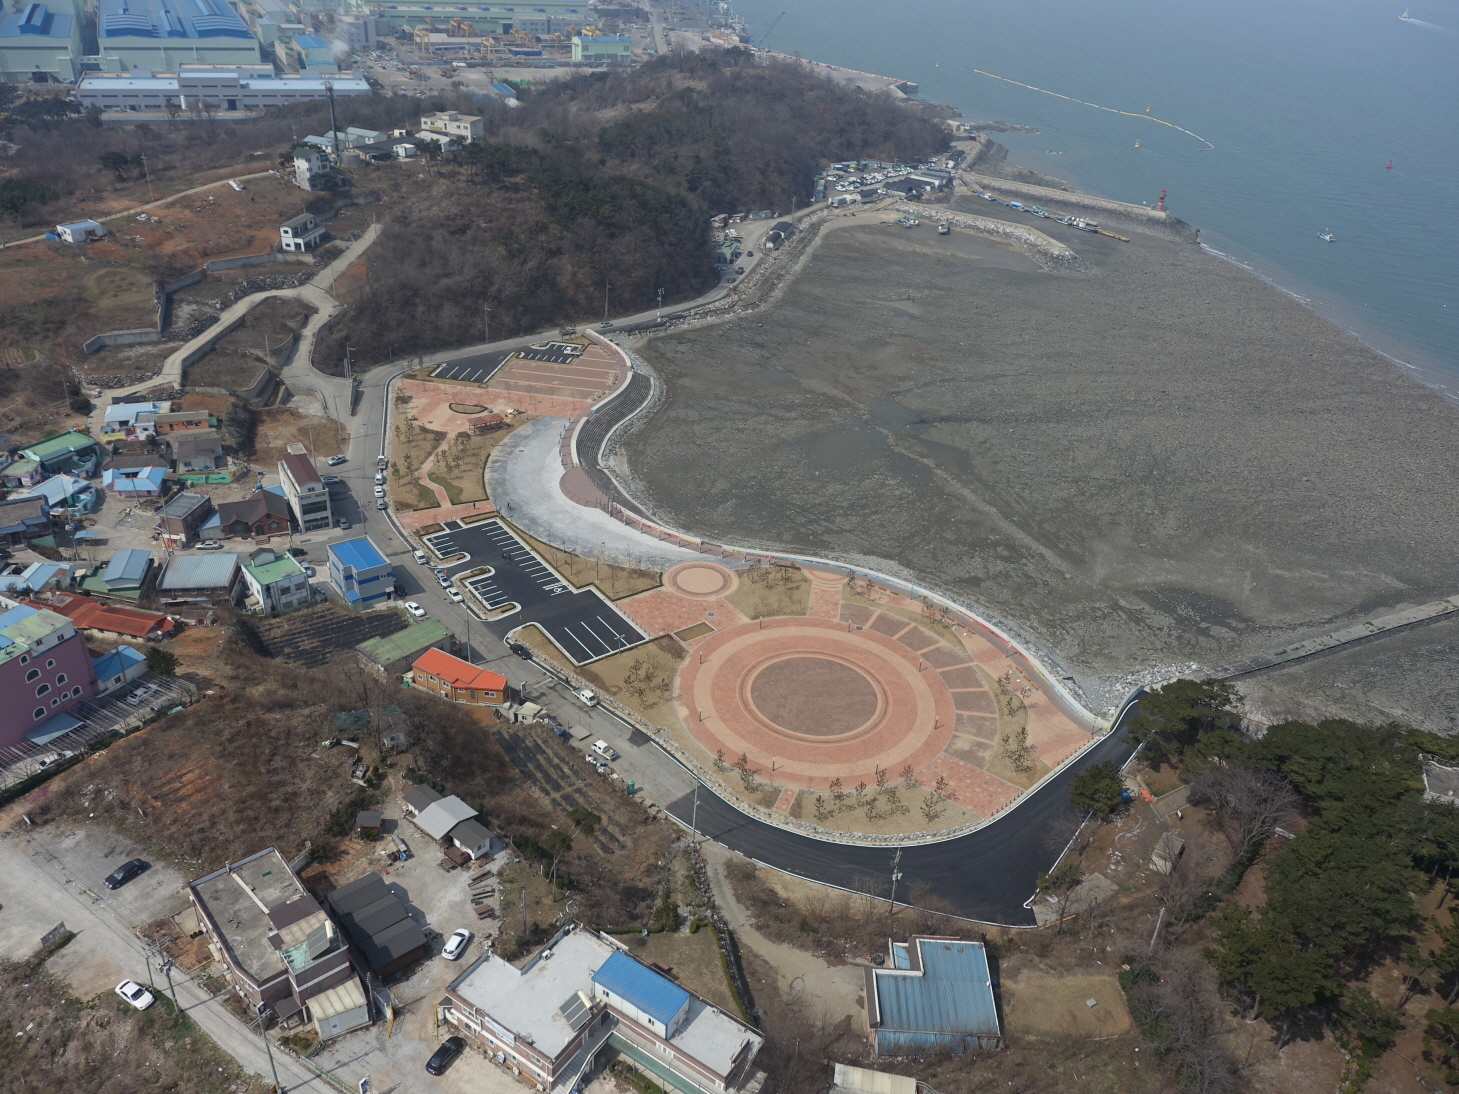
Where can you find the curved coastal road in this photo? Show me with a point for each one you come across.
(985, 875)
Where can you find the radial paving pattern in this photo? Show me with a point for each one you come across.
(818, 699)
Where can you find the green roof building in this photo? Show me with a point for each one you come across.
(65, 452)
(393, 655)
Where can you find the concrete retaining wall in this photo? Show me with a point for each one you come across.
(261, 390)
(1142, 217)
(121, 338)
(182, 282)
(241, 260)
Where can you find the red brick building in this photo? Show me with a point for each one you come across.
(460, 681)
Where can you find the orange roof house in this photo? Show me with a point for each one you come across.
(460, 681)
(88, 614)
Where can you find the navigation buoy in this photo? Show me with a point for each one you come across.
(1390, 165)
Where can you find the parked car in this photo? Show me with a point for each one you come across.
(450, 1048)
(524, 652)
(420, 558)
(456, 944)
(739, 269)
(443, 579)
(135, 994)
(210, 545)
(343, 523)
(379, 478)
(331, 480)
(52, 760)
(455, 595)
(379, 491)
(308, 571)
(567, 330)
(605, 750)
(415, 609)
(381, 503)
(124, 873)
(605, 325)
(587, 696)
(335, 461)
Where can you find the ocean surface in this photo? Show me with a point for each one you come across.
(1305, 103)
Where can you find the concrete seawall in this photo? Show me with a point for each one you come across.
(1140, 217)
(1047, 252)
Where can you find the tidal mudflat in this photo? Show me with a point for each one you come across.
(1151, 464)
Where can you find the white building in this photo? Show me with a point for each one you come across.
(221, 88)
(463, 127)
(80, 231)
(303, 233)
(358, 31)
(305, 490)
(275, 581)
(311, 167)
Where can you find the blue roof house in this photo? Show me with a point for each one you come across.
(937, 997)
(360, 572)
(121, 666)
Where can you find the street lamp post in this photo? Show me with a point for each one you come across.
(660, 314)
(268, 1047)
(606, 287)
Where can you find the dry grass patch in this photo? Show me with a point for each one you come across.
(280, 426)
(1041, 1004)
(459, 469)
(691, 959)
(767, 591)
(411, 444)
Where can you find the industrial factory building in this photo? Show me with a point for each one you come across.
(40, 43)
(163, 34)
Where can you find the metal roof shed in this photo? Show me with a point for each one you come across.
(438, 818)
(632, 986)
(184, 572)
(126, 569)
(936, 998)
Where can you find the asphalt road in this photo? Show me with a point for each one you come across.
(985, 875)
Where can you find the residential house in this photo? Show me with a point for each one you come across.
(134, 482)
(109, 621)
(201, 579)
(262, 514)
(20, 472)
(460, 681)
(303, 233)
(121, 666)
(129, 461)
(280, 949)
(179, 520)
(275, 582)
(181, 421)
(311, 168)
(81, 231)
(582, 994)
(131, 421)
(463, 127)
(451, 821)
(390, 657)
(935, 996)
(23, 518)
(69, 452)
(385, 937)
(45, 670)
(307, 494)
(65, 495)
(39, 577)
(198, 450)
(360, 572)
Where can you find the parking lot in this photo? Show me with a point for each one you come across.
(477, 369)
(583, 623)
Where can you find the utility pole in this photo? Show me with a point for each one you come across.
(660, 314)
(333, 125)
(606, 287)
(486, 323)
(896, 876)
(150, 195)
(268, 1047)
(524, 911)
(694, 824)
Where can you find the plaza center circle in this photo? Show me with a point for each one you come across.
(813, 696)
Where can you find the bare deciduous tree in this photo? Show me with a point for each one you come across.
(1247, 802)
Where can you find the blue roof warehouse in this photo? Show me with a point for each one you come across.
(937, 997)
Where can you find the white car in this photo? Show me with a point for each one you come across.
(605, 750)
(379, 491)
(415, 609)
(455, 595)
(135, 994)
(456, 944)
(420, 557)
(587, 697)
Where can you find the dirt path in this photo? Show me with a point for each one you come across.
(837, 989)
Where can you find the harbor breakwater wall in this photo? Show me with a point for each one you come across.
(1139, 217)
(1047, 252)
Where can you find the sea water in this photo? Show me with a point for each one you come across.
(1305, 103)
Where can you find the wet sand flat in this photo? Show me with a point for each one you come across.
(1153, 463)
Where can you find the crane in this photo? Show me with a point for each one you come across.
(771, 31)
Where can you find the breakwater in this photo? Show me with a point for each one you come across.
(1140, 217)
(1047, 252)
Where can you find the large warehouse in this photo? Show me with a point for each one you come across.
(162, 34)
(40, 43)
(484, 18)
(235, 87)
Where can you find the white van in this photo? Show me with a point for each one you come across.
(587, 697)
(605, 750)
(420, 557)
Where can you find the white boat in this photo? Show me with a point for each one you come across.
(1327, 236)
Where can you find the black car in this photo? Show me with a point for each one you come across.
(124, 873)
(524, 652)
(450, 1048)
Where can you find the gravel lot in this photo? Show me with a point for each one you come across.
(1153, 463)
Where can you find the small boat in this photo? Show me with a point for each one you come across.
(908, 222)
(942, 228)
(1390, 165)
(1328, 236)
(1038, 211)
(1137, 144)
(1084, 225)
(1063, 219)
(990, 197)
